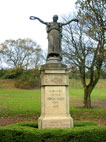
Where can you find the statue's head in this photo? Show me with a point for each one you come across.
(55, 18)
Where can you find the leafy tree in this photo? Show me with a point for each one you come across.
(85, 43)
(21, 53)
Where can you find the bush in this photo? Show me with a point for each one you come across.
(10, 73)
(2, 72)
(28, 132)
(24, 83)
(29, 79)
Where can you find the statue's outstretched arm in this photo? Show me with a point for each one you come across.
(75, 20)
(34, 18)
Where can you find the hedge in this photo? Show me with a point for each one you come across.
(28, 132)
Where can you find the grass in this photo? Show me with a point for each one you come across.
(97, 112)
(26, 103)
(97, 94)
(20, 102)
(77, 84)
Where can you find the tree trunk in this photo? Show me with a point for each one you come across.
(87, 97)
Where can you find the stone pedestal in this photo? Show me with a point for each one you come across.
(54, 97)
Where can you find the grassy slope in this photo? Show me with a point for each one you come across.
(26, 103)
(77, 84)
(7, 84)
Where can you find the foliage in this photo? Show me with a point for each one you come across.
(14, 74)
(2, 72)
(27, 83)
(93, 15)
(25, 79)
(10, 73)
(29, 79)
(28, 132)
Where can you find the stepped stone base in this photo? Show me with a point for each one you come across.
(55, 122)
(54, 97)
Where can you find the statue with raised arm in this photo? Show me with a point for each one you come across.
(54, 30)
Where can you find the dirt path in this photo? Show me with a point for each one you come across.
(11, 120)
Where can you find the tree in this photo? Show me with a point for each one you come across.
(1, 60)
(85, 43)
(21, 53)
(39, 58)
(93, 15)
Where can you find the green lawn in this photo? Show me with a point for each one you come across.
(97, 94)
(26, 103)
(77, 84)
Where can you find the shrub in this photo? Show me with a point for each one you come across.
(24, 83)
(10, 73)
(2, 72)
(28, 132)
(29, 79)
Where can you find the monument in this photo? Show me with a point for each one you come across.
(54, 81)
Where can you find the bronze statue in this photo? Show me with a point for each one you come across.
(54, 30)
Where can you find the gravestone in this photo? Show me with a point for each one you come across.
(54, 80)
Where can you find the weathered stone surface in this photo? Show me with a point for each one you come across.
(55, 71)
(55, 122)
(55, 98)
(54, 79)
(54, 66)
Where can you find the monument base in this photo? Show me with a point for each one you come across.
(55, 122)
(52, 60)
(54, 97)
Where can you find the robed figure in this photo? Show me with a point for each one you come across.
(54, 30)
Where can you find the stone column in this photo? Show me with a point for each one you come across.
(54, 97)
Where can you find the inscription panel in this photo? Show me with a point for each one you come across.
(55, 100)
(55, 79)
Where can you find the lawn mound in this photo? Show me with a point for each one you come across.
(29, 132)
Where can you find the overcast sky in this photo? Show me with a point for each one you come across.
(15, 23)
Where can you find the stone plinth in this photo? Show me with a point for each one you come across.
(54, 97)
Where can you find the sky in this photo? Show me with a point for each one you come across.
(15, 23)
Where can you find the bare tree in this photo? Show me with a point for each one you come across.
(86, 53)
(20, 53)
